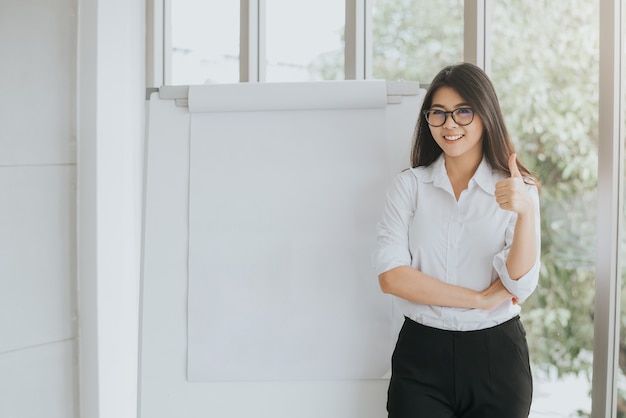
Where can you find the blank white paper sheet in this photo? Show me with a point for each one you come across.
(287, 183)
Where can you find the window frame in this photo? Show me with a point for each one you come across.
(609, 213)
(358, 39)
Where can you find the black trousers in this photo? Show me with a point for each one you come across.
(460, 374)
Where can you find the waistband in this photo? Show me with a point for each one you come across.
(509, 323)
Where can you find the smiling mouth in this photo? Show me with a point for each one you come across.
(452, 137)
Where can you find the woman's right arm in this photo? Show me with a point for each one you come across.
(415, 286)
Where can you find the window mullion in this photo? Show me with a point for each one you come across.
(252, 41)
(355, 40)
(476, 42)
(155, 43)
(368, 39)
(610, 203)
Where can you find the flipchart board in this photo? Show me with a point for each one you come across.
(258, 294)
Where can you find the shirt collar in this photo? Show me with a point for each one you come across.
(486, 178)
(436, 173)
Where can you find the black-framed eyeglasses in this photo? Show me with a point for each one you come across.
(462, 116)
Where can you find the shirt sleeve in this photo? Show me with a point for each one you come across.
(393, 228)
(526, 284)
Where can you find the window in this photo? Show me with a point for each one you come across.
(304, 40)
(414, 39)
(204, 46)
(293, 41)
(541, 52)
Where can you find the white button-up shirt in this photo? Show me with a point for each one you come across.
(464, 242)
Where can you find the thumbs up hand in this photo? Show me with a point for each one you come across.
(511, 193)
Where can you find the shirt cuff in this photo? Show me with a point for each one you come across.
(390, 257)
(526, 284)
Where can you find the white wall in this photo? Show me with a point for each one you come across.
(71, 73)
(37, 214)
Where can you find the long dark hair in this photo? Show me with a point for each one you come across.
(474, 86)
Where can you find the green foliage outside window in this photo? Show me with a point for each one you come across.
(545, 69)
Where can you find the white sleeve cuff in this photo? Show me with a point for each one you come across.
(526, 284)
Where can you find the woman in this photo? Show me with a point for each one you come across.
(458, 247)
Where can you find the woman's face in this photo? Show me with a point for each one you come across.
(457, 141)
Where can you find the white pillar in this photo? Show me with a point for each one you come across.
(110, 113)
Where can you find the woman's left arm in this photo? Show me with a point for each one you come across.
(512, 194)
(523, 253)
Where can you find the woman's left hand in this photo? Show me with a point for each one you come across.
(511, 193)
